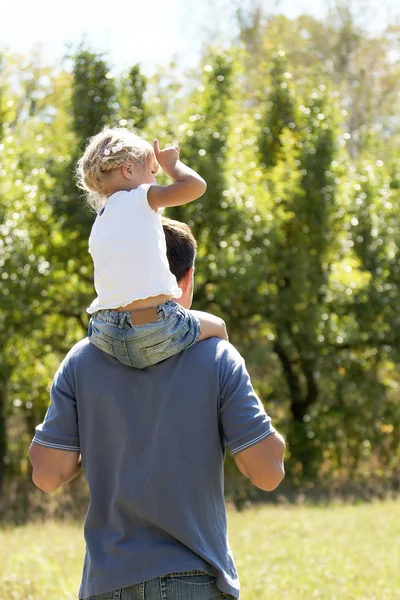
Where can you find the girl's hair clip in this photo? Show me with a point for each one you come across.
(117, 148)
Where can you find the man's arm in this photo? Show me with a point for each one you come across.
(55, 449)
(52, 468)
(247, 431)
(263, 463)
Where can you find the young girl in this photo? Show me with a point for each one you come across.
(134, 317)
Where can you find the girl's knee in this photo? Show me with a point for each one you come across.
(221, 329)
(212, 326)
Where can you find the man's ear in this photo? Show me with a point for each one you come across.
(127, 170)
(186, 281)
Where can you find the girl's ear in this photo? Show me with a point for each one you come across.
(127, 170)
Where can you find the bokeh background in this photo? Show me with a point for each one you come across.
(290, 111)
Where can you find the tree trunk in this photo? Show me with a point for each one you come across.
(304, 455)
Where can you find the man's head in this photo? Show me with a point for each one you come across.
(181, 253)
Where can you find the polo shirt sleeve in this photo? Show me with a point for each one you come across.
(59, 429)
(243, 419)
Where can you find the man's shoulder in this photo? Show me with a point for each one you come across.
(210, 353)
(79, 352)
(216, 350)
(81, 347)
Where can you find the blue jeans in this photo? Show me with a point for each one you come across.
(141, 346)
(193, 585)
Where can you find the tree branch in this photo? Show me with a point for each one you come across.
(297, 399)
(77, 316)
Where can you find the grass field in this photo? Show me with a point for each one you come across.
(294, 553)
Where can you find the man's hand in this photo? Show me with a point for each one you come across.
(167, 159)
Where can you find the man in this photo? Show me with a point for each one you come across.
(152, 445)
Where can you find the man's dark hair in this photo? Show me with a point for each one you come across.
(181, 247)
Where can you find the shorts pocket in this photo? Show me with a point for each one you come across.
(101, 343)
(195, 579)
(192, 587)
(115, 595)
(161, 351)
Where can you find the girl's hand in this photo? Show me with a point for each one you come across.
(167, 158)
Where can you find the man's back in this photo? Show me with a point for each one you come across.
(152, 447)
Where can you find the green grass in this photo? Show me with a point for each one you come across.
(293, 553)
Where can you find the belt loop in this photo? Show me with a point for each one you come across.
(166, 308)
(121, 319)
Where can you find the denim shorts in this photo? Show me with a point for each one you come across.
(193, 585)
(141, 346)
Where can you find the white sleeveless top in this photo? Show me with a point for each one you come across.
(128, 247)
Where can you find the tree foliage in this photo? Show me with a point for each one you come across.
(298, 232)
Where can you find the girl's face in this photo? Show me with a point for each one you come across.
(151, 169)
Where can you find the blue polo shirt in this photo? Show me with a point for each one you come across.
(153, 444)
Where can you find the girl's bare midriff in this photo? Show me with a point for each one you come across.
(151, 302)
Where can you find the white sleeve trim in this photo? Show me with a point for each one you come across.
(253, 441)
(56, 446)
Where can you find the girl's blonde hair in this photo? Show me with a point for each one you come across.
(106, 151)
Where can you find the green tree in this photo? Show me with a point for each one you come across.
(23, 256)
(279, 107)
(133, 108)
(298, 232)
(204, 148)
(303, 192)
(93, 105)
